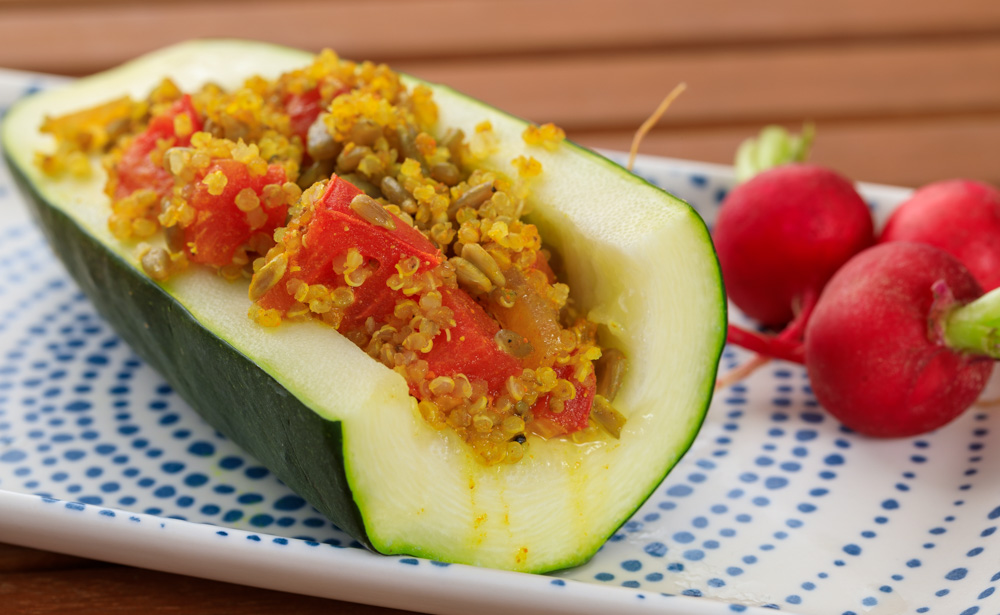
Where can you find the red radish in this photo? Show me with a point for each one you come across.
(782, 234)
(896, 346)
(960, 216)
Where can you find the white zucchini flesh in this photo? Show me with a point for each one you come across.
(639, 260)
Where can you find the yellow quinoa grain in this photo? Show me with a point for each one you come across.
(245, 153)
(201, 139)
(216, 182)
(408, 266)
(410, 168)
(432, 414)
(548, 136)
(265, 317)
(144, 227)
(272, 196)
(424, 105)
(297, 288)
(482, 423)
(166, 91)
(515, 452)
(354, 260)
(257, 167)
(370, 166)
(357, 277)
(200, 159)
(370, 122)
(513, 424)
(78, 165)
(342, 297)
(527, 167)
(498, 231)
(247, 200)
(182, 125)
(297, 310)
(292, 192)
(442, 385)
(426, 144)
(516, 388)
(484, 141)
(52, 165)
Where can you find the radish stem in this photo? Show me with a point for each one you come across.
(775, 347)
(775, 146)
(975, 327)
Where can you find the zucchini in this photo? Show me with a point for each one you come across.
(338, 427)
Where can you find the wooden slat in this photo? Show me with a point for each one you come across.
(78, 38)
(620, 90)
(903, 91)
(907, 152)
(726, 87)
(120, 590)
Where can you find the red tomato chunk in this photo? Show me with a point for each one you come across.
(221, 226)
(137, 169)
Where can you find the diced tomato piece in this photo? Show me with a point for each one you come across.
(136, 169)
(303, 109)
(383, 244)
(468, 348)
(472, 349)
(220, 227)
(531, 316)
(576, 412)
(542, 264)
(334, 229)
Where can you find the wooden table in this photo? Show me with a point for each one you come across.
(902, 91)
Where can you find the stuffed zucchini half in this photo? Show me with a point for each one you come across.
(335, 423)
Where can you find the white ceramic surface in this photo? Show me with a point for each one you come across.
(776, 505)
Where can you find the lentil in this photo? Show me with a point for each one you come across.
(607, 417)
(374, 133)
(319, 142)
(268, 276)
(513, 343)
(155, 262)
(372, 211)
(471, 277)
(611, 370)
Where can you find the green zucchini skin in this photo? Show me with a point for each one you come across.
(238, 396)
(225, 387)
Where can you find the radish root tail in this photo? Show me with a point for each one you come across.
(741, 372)
(651, 121)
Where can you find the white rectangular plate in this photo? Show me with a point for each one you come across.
(776, 505)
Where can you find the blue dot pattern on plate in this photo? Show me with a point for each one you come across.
(776, 505)
(82, 418)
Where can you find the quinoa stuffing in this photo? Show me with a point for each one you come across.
(335, 192)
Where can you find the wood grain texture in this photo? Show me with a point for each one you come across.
(884, 81)
(82, 37)
(728, 87)
(905, 152)
(903, 92)
(121, 590)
